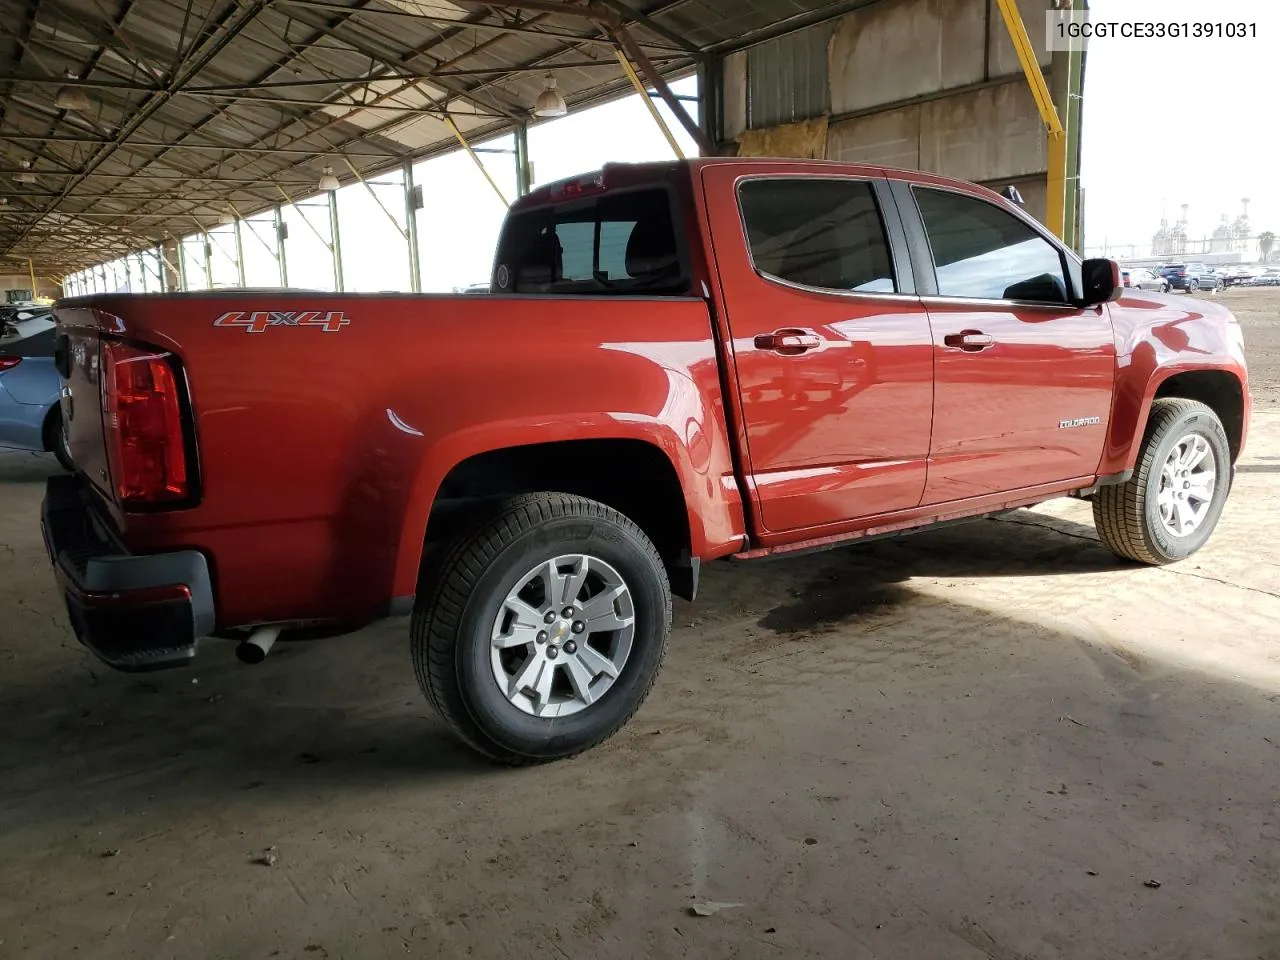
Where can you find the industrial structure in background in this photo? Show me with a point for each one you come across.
(1230, 236)
(129, 125)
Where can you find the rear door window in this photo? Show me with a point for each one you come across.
(620, 242)
(982, 252)
(818, 233)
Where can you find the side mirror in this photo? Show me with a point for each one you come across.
(1011, 194)
(1101, 281)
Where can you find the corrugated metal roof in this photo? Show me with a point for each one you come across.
(198, 104)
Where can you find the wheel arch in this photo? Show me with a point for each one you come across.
(640, 469)
(1220, 390)
(47, 421)
(1220, 386)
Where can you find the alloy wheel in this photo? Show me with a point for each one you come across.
(1187, 483)
(562, 635)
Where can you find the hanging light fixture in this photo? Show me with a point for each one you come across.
(328, 181)
(25, 175)
(228, 217)
(72, 98)
(550, 103)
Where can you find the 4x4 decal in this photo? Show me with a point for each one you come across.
(257, 321)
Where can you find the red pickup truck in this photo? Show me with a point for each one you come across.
(677, 362)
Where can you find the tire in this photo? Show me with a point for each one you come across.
(1128, 516)
(1193, 286)
(55, 439)
(466, 587)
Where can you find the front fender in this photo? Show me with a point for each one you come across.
(1172, 341)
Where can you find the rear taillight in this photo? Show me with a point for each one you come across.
(146, 445)
(8, 363)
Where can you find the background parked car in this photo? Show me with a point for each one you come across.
(1144, 279)
(1190, 277)
(19, 322)
(30, 412)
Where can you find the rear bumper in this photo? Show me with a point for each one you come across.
(134, 612)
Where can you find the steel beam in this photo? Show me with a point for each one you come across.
(1055, 201)
(549, 9)
(627, 12)
(235, 19)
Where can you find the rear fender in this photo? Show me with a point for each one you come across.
(712, 502)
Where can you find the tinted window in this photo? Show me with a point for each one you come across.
(819, 233)
(613, 243)
(984, 252)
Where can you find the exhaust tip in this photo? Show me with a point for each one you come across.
(258, 645)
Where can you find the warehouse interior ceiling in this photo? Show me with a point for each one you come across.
(126, 121)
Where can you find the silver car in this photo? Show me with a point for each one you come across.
(1144, 279)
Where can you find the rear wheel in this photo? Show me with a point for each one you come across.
(541, 629)
(1193, 286)
(56, 439)
(1170, 506)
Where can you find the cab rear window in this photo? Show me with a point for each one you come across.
(612, 243)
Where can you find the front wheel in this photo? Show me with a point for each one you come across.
(541, 629)
(1169, 507)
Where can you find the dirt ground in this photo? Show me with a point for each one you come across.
(993, 741)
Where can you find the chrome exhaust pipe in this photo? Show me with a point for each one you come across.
(258, 645)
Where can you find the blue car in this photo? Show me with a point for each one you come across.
(30, 414)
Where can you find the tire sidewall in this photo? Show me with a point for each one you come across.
(504, 723)
(58, 440)
(1160, 540)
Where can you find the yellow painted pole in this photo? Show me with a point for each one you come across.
(475, 157)
(648, 101)
(32, 267)
(1055, 204)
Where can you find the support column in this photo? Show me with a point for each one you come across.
(170, 266)
(239, 253)
(1066, 83)
(524, 170)
(207, 241)
(412, 204)
(335, 244)
(711, 99)
(280, 238)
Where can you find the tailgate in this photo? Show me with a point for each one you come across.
(78, 365)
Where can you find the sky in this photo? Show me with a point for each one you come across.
(1168, 122)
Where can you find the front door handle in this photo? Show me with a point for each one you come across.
(788, 341)
(969, 340)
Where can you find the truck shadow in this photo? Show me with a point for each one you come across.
(345, 714)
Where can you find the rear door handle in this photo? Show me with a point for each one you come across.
(788, 341)
(969, 340)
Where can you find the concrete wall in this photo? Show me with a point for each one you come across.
(928, 85)
(22, 281)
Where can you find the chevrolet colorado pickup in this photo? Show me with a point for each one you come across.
(676, 363)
